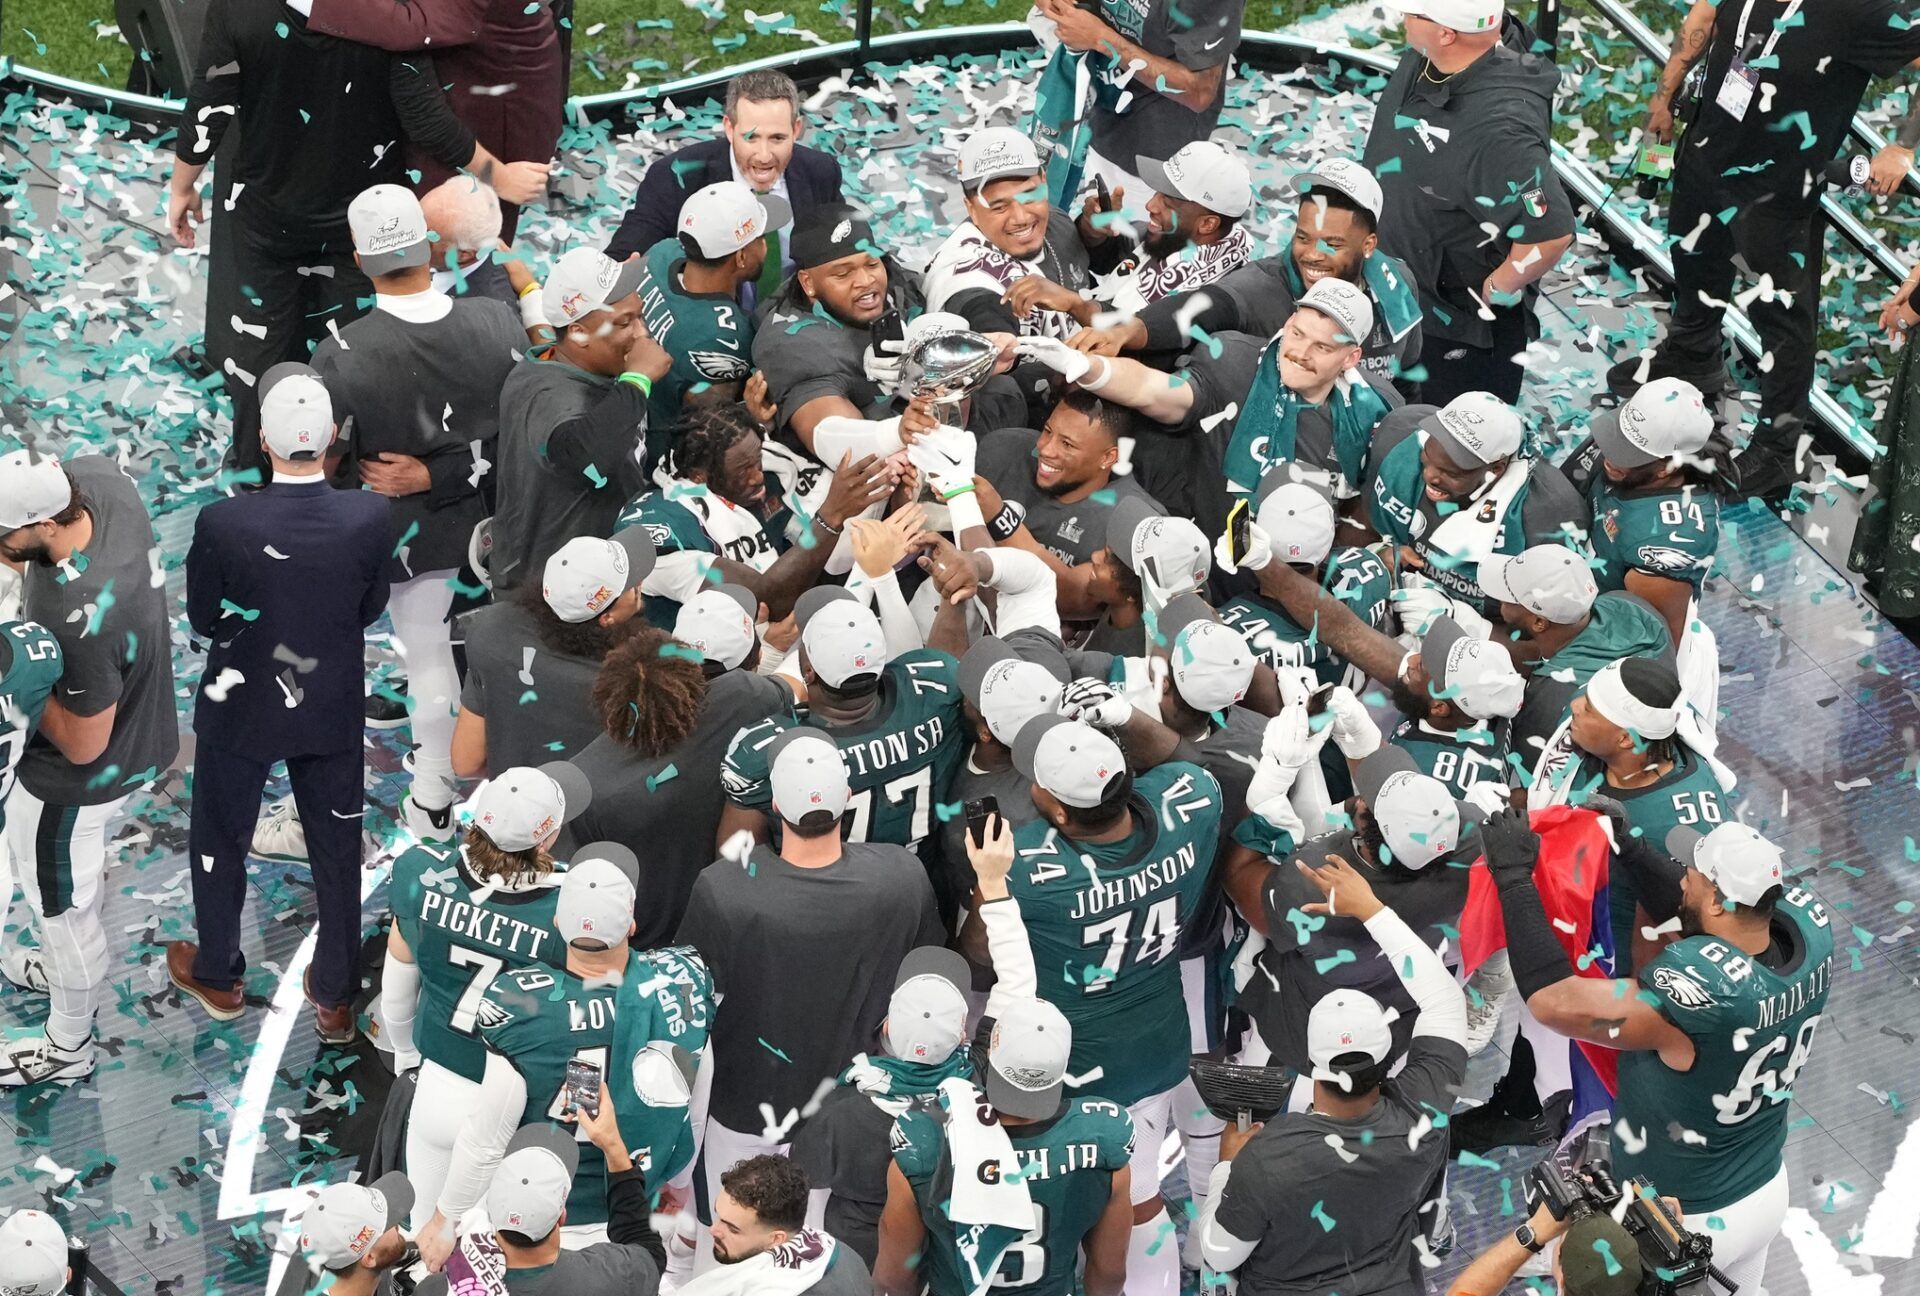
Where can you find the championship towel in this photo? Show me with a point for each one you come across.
(990, 1211)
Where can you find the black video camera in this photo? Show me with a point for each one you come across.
(1243, 1096)
(1673, 1261)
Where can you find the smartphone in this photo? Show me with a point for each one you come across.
(890, 327)
(1106, 194)
(583, 1086)
(981, 812)
(1318, 699)
(1239, 527)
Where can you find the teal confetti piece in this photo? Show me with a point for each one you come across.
(655, 780)
(1320, 1214)
(776, 1052)
(234, 609)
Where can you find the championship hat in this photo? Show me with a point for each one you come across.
(1666, 419)
(585, 575)
(1461, 15)
(1211, 665)
(1027, 1060)
(1548, 580)
(1073, 761)
(1347, 305)
(927, 1015)
(1474, 674)
(1475, 429)
(723, 218)
(296, 411)
(1298, 519)
(1202, 172)
(1006, 689)
(33, 1255)
(1418, 816)
(1742, 865)
(1343, 1022)
(806, 774)
(1172, 550)
(344, 1220)
(521, 807)
(597, 894)
(1346, 176)
(389, 230)
(995, 154)
(718, 623)
(530, 1185)
(840, 635)
(585, 280)
(831, 232)
(33, 488)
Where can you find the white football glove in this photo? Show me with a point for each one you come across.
(883, 366)
(1259, 551)
(1354, 730)
(1095, 702)
(1054, 354)
(1489, 796)
(945, 456)
(1419, 606)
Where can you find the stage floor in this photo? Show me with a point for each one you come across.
(179, 1160)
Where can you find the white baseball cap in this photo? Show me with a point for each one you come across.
(1072, 760)
(1419, 818)
(296, 411)
(33, 1255)
(806, 774)
(1474, 674)
(1619, 692)
(521, 807)
(1461, 15)
(1667, 418)
(1027, 1056)
(1475, 429)
(1299, 520)
(723, 218)
(585, 575)
(1343, 1022)
(995, 154)
(1345, 176)
(597, 895)
(927, 1015)
(389, 230)
(1345, 304)
(1202, 172)
(1211, 665)
(1548, 580)
(840, 635)
(718, 623)
(1172, 550)
(1742, 865)
(585, 280)
(344, 1220)
(530, 1185)
(1007, 689)
(33, 488)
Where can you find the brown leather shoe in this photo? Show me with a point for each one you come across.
(223, 1003)
(334, 1025)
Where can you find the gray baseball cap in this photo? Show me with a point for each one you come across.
(720, 623)
(1419, 817)
(597, 894)
(806, 773)
(389, 230)
(530, 1185)
(1211, 665)
(344, 1220)
(1027, 1057)
(1475, 674)
(1548, 580)
(1007, 689)
(585, 280)
(1345, 304)
(1476, 429)
(840, 635)
(296, 411)
(1073, 761)
(1146, 542)
(521, 807)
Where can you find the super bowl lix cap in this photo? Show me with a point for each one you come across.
(33, 1255)
(995, 154)
(389, 230)
(585, 575)
(1298, 520)
(1171, 550)
(1476, 430)
(1211, 665)
(1346, 1022)
(840, 635)
(1548, 580)
(343, 1221)
(1666, 419)
(1474, 674)
(1202, 172)
(595, 901)
(1345, 176)
(1007, 689)
(725, 217)
(927, 1015)
(1742, 865)
(1418, 817)
(1347, 305)
(521, 807)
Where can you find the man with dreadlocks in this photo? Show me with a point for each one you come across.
(655, 768)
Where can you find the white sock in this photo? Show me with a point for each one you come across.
(1153, 1258)
(1203, 1153)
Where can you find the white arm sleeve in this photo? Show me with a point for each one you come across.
(678, 576)
(1443, 1009)
(399, 1000)
(1011, 954)
(483, 1136)
(1027, 591)
(836, 436)
(896, 619)
(1221, 1251)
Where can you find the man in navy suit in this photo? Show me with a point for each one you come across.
(282, 583)
(762, 151)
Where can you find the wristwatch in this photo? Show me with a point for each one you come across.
(1526, 1237)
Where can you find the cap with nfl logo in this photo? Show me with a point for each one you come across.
(33, 1255)
(596, 895)
(528, 1194)
(343, 1221)
(296, 412)
(806, 774)
(927, 1015)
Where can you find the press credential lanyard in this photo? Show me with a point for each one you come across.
(1742, 82)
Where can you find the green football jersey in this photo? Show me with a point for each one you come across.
(673, 521)
(1670, 533)
(1356, 578)
(464, 933)
(33, 669)
(709, 337)
(539, 1019)
(1104, 922)
(1067, 1164)
(1460, 757)
(900, 759)
(1712, 1134)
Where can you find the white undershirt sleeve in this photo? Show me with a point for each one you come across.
(1443, 1009)
(495, 1115)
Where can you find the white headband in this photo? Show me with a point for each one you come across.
(1608, 694)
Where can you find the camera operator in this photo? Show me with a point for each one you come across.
(1596, 1257)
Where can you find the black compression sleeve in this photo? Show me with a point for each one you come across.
(1656, 877)
(1535, 952)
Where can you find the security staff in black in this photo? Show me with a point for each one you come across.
(1460, 144)
(1783, 79)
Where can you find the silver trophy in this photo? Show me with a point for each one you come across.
(948, 367)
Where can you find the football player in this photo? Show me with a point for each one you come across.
(30, 665)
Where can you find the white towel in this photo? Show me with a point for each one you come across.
(788, 1269)
(976, 1140)
(1467, 535)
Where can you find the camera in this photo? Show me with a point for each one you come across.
(1672, 1259)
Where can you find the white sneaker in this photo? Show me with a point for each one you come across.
(25, 969)
(1487, 991)
(427, 825)
(30, 1058)
(280, 835)
(1483, 1023)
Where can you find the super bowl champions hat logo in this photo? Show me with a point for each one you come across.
(606, 272)
(1466, 428)
(388, 234)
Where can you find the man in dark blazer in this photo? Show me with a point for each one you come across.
(282, 583)
(761, 150)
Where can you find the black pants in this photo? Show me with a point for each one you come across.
(284, 286)
(1767, 235)
(330, 795)
(1454, 367)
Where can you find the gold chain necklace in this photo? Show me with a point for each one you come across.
(1426, 74)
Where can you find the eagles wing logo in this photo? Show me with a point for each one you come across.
(491, 1015)
(718, 366)
(1662, 559)
(1682, 990)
